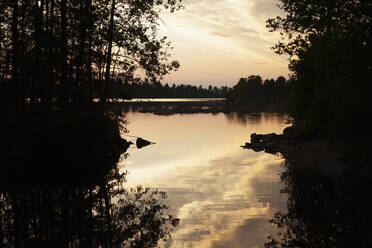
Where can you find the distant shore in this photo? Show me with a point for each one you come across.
(193, 107)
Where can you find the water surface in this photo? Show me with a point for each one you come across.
(223, 195)
(165, 100)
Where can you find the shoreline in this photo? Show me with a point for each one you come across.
(82, 146)
(213, 107)
(325, 156)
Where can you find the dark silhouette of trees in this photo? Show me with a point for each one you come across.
(147, 89)
(110, 38)
(322, 212)
(249, 87)
(71, 51)
(60, 185)
(261, 93)
(329, 44)
(102, 215)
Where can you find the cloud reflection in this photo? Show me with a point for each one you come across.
(232, 210)
(218, 190)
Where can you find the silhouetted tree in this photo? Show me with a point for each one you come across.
(253, 91)
(60, 186)
(65, 50)
(322, 212)
(105, 215)
(329, 45)
(146, 89)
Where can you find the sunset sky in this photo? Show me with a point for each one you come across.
(219, 41)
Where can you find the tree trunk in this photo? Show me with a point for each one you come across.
(108, 215)
(63, 61)
(37, 82)
(89, 60)
(109, 51)
(15, 51)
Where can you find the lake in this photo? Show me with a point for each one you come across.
(70, 180)
(223, 195)
(164, 100)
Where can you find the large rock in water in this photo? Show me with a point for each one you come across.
(142, 143)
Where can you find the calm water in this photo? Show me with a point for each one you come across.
(223, 195)
(135, 100)
(204, 99)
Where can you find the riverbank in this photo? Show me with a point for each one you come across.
(52, 148)
(326, 156)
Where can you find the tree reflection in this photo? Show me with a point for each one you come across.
(243, 119)
(91, 209)
(323, 212)
(105, 215)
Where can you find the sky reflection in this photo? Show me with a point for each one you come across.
(224, 195)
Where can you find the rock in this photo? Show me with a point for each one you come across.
(269, 138)
(142, 143)
(318, 142)
(256, 138)
(288, 142)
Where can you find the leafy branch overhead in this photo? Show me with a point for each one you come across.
(307, 20)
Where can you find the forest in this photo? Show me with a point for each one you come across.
(147, 89)
(329, 47)
(60, 184)
(262, 92)
(59, 181)
(252, 89)
(69, 51)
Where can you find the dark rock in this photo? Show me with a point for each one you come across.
(142, 143)
(256, 138)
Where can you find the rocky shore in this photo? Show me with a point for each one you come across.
(324, 155)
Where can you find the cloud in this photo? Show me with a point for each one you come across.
(221, 193)
(235, 217)
(265, 8)
(219, 34)
(210, 35)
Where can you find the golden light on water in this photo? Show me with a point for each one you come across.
(216, 188)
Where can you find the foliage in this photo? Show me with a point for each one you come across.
(55, 50)
(104, 215)
(253, 90)
(146, 89)
(329, 44)
(322, 212)
(60, 185)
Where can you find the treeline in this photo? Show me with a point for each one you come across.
(71, 51)
(148, 89)
(254, 90)
(330, 48)
(250, 89)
